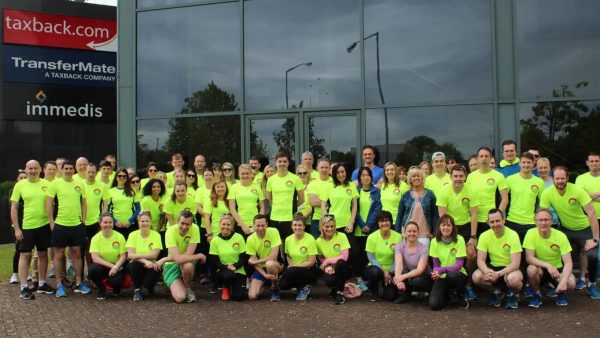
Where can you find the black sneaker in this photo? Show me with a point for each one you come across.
(45, 288)
(332, 293)
(26, 294)
(375, 298)
(339, 298)
(463, 302)
(214, 289)
(101, 295)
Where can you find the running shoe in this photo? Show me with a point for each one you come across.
(593, 291)
(51, 273)
(303, 294)
(463, 302)
(45, 288)
(551, 293)
(561, 300)
(375, 298)
(495, 301)
(536, 301)
(60, 291)
(339, 298)
(26, 294)
(580, 284)
(528, 291)
(70, 271)
(190, 296)
(214, 289)
(362, 285)
(137, 295)
(471, 294)
(101, 295)
(29, 278)
(82, 288)
(14, 279)
(225, 294)
(275, 296)
(512, 302)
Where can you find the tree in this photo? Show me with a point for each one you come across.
(420, 148)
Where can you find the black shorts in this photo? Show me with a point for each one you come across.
(64, 236)
(284, 228)
(577, 239)
(465, 231)
(38, 237)
(547, 278)
(481, 227)
(520, 229)
(91, 230)
(500, 283)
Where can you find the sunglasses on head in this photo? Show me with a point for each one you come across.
(302, 173)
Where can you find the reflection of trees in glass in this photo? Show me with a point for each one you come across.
(564, 131)
(420, 148)
(145, 154)
(286, 141)
(257, 147)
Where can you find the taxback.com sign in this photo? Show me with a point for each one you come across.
(52, 30)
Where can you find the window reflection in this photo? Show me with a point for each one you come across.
(334, 137)
(269, 136)
(184, 51)
(153, 3)
(563, 131)
(415, 133)
(447, 59)
(558, 42)
(280, 34)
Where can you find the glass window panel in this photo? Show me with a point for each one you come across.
(268, 136)
(191, 52)
(414, 134)
(282, 37)
(334, 137)
(216, 137)
(563, 131)
(558, 43)
(141, 4)
(429, 51)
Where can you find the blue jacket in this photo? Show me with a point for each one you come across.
(430, 210)
(373, 210)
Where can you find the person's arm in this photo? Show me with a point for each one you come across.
(261, 207)
(269, 197)
(350, 227)
(272, 257)
(481, 261)
(309, 263)
(118, 265)
(14, 217)
(83, 209)
(314, 200)
(591, 213)
(433, 211)
(515, 262)
(566, 272)
(373, 260)
(242, 260)
(474, 226)
(458, 264)
(374, 211)
(503, 200)
(330, 261)
(217, 262)
(300, 196)
(206, 225)
(442, 210)
(170, 219)
(199, 209)
(50, 211)
(142, 257)
(136, 212)
(188, 256)
(236, 216)
(531, 259)
(401, 211)
(99, 260)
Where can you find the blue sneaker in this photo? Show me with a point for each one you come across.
(82, 288)
(362, 286)
(580, 284)
(303, 294)
(495, 301)
(275, 296)
(529, 293)
(512, 302)
(137, 295)
(60, 291)
(551, 293)
(535, 302)
(593, 291)
(471, 294)
(561, 300)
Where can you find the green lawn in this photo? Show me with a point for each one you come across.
(6, 255)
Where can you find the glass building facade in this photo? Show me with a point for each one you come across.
(232, 79)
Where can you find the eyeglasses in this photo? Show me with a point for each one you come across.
(135, 181)
(302, 173)
(191, 175)
(329, 217)
(121, 176)
(226, 169)
(152, 170)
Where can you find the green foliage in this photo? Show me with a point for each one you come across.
(420, 148)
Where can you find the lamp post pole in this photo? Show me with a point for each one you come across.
(307, 64)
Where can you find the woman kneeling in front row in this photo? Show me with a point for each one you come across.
(333, 249)
(412, 272)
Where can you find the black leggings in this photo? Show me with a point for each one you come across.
(142, 276)
(423, 283)
(358, 255)
(16, 257)
(97, 272)
(440, 291)
(374, 275)
(336, 281)
(296, 277)
(234, 281)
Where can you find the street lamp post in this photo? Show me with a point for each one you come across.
(385, 113)
(307, 64)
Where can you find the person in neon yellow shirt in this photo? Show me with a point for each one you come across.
(333, 248)
(262, 248)
(579, 222)
(549, 256)
(179, 201)
(97, 200)
(503, 247)
(124, 204)
(316, 191)
(343, 200)
(177, 162)
(257, 175)
(228, 254)
(440, 177)
(246, 200)
(380, 248)
(105, 173)
(301, 255)
(203, 192)
(448, 252)
(308, 160)
(590, 181)
(199, 167)
(178, 267)
(215, 206)
(153, 192)
(151, 170)
(304, 208)
(143, 248)
(191, 179)
(392, 189)
(228, 174)
(109, 257)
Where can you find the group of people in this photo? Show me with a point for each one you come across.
(437, 228)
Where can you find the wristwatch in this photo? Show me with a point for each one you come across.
(474, 236)
(595, 240)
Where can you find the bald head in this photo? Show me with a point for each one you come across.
(33, 169)
(81, 165)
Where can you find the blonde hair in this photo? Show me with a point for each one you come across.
(412, 172)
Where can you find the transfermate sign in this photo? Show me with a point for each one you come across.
(59, 103)
(59, 66)
(52, 30)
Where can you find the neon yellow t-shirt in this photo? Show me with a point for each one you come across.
(590, 184)
(448, 253)
(246, 200)
(434, 183)
(96, 193)
(229, 250)
(318, 188)
(215, 214)
(282, 192)
(149, 204)
(458, 205)
(34, 202)
(144, 246)
(202, 195)
(364, 205)
(109, 249)
(174, 239)
(569, 206)
(486, 185)
(333, 247)
(261, 247)
(122, 205)
(549, 250)
(390, 198)
(523, 194)
(258, 178)
(69, 195)
(299, 251)
(383, 249)
(174, 208)
(499, 249)
(340, 198)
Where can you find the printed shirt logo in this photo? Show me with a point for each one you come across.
(44, 188)
(77, 188)
(506, 248)
(465, 201)
(490, 181)
(289, 184)
(115, 245)
(453, 252)
(336, 247)
(396, 191)
(393, 246)
(267, 243)
(186, 239)
(97, 192)
(150, 245)
(572, 201)
(555, 247)
(303, 250)
(235, 246)
(534, 188)
(349, 192)
(254, 191)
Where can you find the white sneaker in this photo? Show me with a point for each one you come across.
(190, 296)
(14, 279)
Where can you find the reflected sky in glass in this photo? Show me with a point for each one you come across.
(182, 50)
(558, 42)
(430, 51)
(280, 34)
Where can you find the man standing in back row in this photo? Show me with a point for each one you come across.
(369, 157)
